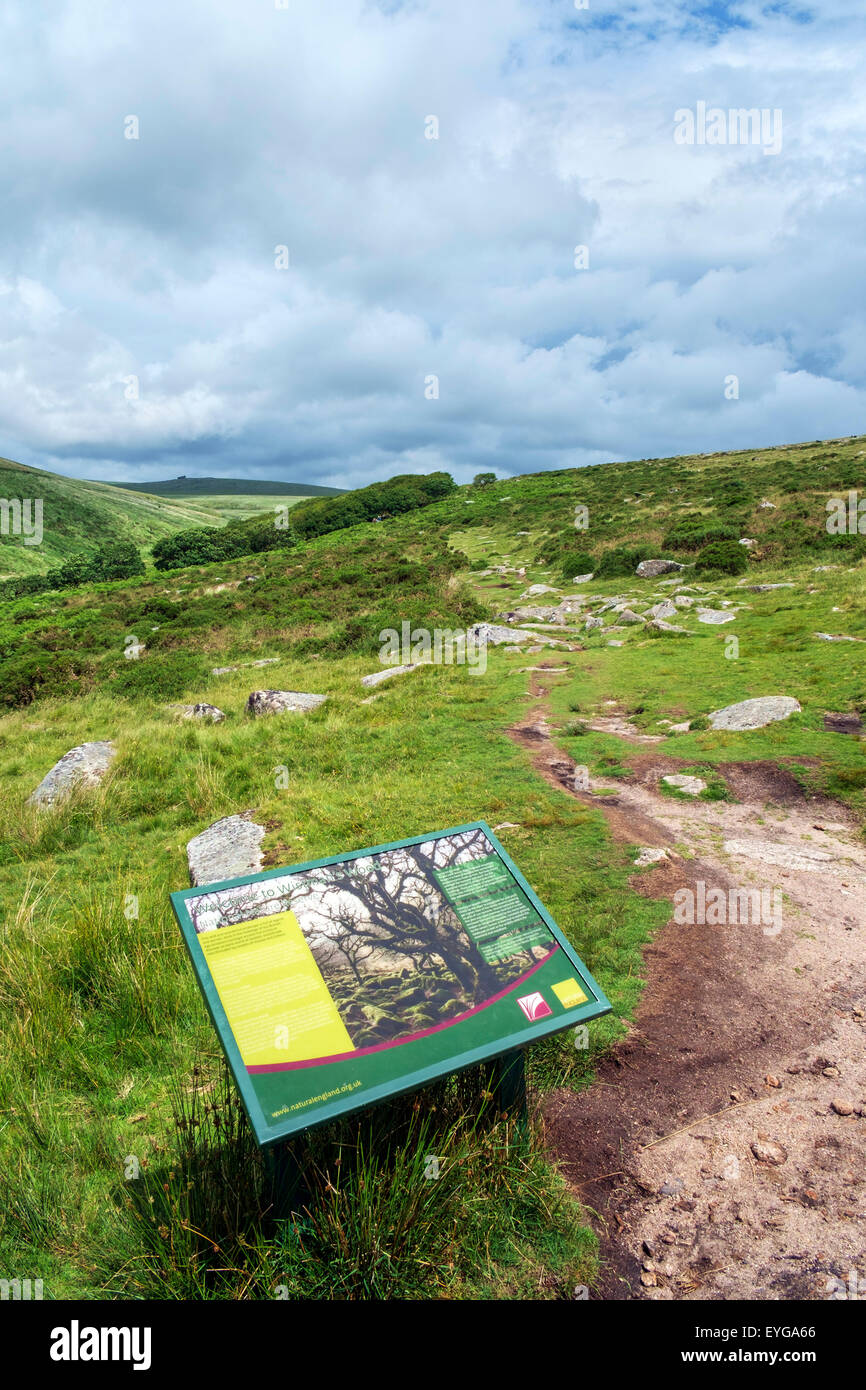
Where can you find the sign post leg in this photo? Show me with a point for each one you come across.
(288, 1189)
(505, 1076)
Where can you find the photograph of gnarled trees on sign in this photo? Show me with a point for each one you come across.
(405, 939)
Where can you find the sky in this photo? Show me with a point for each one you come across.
(331, 242)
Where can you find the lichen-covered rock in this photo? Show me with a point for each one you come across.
(200, 711)
(282, 702)
(379, 676)
(665, 609)
(494, 634)
(84, 765)
(648, 569)
(754, 714)
(715, 616)
(230, 848)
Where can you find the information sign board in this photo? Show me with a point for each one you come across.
(337, 983)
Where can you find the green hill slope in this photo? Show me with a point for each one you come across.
(78, 514)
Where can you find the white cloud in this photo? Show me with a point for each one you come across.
(305, 127)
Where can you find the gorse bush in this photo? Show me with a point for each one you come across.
(722, 557)
(623, 560)
(165, 678)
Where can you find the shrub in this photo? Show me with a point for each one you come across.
(722, 557)
(41, 673)
(622, 560)
(167, 677)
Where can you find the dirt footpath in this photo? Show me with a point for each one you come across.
(722, 1147)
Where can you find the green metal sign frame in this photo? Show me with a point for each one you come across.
(423, 1059)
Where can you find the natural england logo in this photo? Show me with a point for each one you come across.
(713, 907)
(441, 646)
(22, 517)
(713, 125)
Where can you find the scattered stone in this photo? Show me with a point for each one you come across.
(614, 643)
(842, 1106)
(649, 569)
(747, 540)
(754, 714)
(582, 578)
(580, 780)
(200, 711)
(539, 589)
(773, 1081)
(647, 855)
(379, 676)
(648, 1279)
(665, 609)
(830, 1071)
(837, 637)
(671, 1186)
(281, 701)
(230, 848)
(494, 635)
(714, 615)
(84, 765)
(766, 506)
(264, 661)
(593, 622)
(765, 588)
(222, 670)
(683, 601)
(661, 626)
(506, 825)
(692, 786)
(768, 1151)
(628, 617)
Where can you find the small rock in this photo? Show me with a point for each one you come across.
(649, 569)
(230, 848)
(830, 1071)
(649, 856)
(715, 616)
(842, 1106)
(84, 765)
(692, 786)
(580, 781)
(754, 714)
(773, 1081)
(200, 711)
(280, 701)
(648, 1279)
(768, 1151)
(378, 676)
